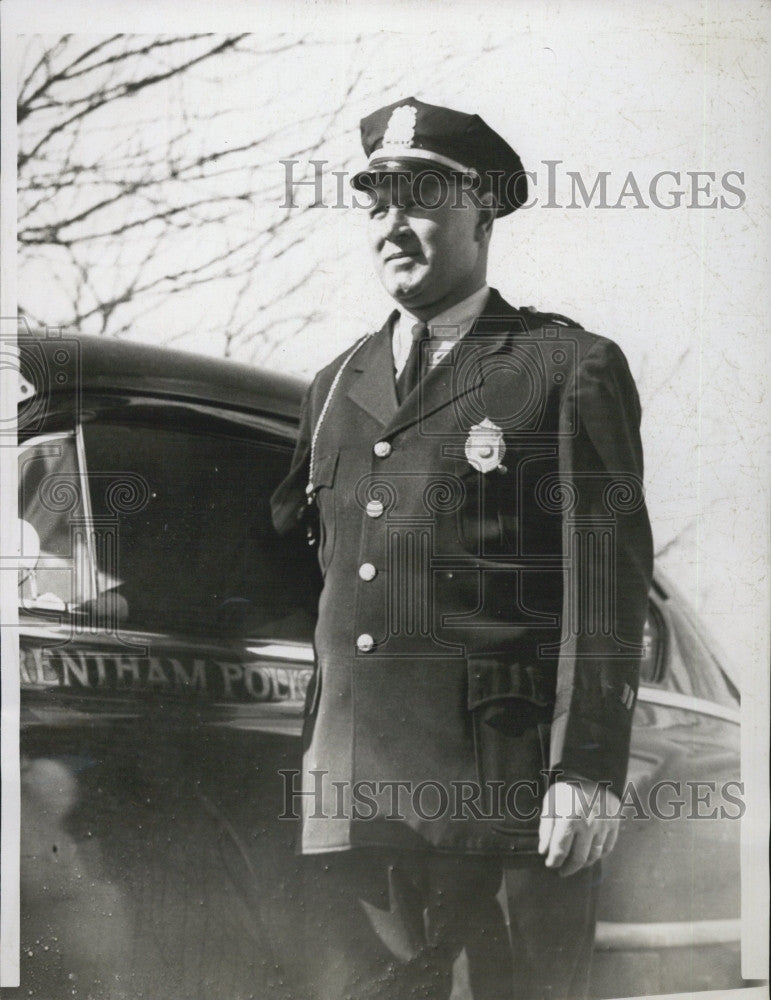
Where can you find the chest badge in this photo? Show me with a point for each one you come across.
(485, 447)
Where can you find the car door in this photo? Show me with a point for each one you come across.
(669, 909)
(165, 655)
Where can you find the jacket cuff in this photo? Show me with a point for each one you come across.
(581, 747)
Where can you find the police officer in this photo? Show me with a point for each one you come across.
(472, 475)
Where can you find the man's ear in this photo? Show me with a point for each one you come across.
(486, 215)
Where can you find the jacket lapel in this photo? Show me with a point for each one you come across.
(373, 388)
(461, 372)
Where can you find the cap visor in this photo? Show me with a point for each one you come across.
(405, 166)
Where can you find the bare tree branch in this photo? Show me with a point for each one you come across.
(121, 90)
(131, 200)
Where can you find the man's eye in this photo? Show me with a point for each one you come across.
(377, 211)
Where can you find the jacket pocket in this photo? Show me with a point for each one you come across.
(511, 706)
(325, 468)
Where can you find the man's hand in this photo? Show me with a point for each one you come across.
(579, 824)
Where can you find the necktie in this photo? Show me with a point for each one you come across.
(411, 372)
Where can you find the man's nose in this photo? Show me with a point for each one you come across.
(395, 220)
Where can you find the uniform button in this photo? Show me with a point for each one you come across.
(375, 508)
(367, 571)
(383, 449)
(365, 643)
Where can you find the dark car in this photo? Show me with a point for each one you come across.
(166, 647)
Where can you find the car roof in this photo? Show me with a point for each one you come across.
(107, 365)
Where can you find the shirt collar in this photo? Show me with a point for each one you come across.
(452, 323)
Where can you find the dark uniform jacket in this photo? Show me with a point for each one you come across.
(487, 556)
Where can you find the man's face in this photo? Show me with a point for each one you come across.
(428, 246)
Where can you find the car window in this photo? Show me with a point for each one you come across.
(676, 656)
(653, 646)
(182, 505)
(692, 668)
(52, 501)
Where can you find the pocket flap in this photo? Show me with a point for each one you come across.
(323, 471)
(492, 678)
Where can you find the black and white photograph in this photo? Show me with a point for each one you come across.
(384, 510)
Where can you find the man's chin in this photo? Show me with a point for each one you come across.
(406, 292)
(411, 303)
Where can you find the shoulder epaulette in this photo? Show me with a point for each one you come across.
(549, 317)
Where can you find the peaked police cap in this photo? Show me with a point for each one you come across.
(411, 137)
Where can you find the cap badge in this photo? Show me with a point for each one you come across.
(485, 446)
(400, 130)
